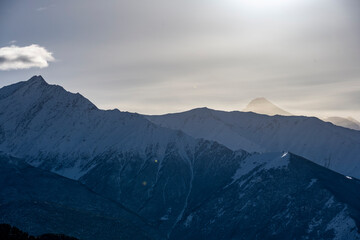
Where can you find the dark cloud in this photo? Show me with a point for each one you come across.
(3, 60)
(19, 59)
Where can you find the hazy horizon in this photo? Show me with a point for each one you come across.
(242, 109)
(218, 135)
(161, 57)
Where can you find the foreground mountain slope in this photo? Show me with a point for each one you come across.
(277, 196)
(163, 191)
(162, 175)
(150, 169)
(40, 202)
(331, 146)
(268, 196)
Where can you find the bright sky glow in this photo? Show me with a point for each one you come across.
(264, 5)
(166, 56)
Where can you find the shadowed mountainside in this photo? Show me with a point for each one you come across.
(135, 179)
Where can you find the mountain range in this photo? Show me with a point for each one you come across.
(328, 145)
(263, 106)
(69, 167)
(348, 122)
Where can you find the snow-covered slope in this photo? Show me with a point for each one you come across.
(331, 146)
(260, 196)
(180, 185)
(277, 196)
(264, 106)
(344, 122)
(63, 132)
(120, 155)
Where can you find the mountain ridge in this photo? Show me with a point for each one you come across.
(348, 122)
(306, 136)
(186, 188)
(83, 123)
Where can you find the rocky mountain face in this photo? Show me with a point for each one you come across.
(274, 196)
(135, 179)
(268, 196)
(41, 202)
(328, 145)
(149, 169)
(161, 191)
(64, 132)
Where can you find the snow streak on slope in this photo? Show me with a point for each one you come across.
(331, 146)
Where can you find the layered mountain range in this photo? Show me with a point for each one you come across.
(348, 122)
(328, 145)
(263, 106)
(69, 167)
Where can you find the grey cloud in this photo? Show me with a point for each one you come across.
(15, 57)
(19, 59)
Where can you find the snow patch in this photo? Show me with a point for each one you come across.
(265, 161)
(313, 224)
(330, 202)
(312, 181)
(344, 227)
(166, 216)
(75, 172)
(277, 162)
(188, 220)
(220, 212)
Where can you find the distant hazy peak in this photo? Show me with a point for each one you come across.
(348, 122)
(353, 120)
(263, 106)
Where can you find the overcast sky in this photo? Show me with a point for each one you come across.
(158, 56)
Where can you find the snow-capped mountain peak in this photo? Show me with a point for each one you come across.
(62, 131)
